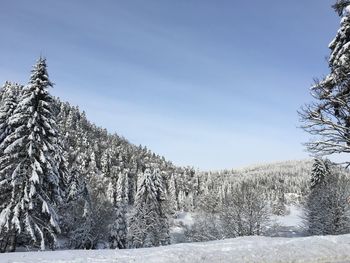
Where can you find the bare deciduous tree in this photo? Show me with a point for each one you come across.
(328, 117)
(245, 212)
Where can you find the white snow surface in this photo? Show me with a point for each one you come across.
(244, 249)
(178, 226)
(289, 225)
(293, 219)
(185, 218)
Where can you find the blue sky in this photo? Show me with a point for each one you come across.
(213, 84)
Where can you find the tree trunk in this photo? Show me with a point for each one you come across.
(12, 241)
(3, 243)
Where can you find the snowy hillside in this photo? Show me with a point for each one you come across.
(245, 249)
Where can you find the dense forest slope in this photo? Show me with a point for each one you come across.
(117, 194)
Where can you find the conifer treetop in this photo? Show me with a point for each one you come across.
(320, 170)
(39, 75)
(340, 5)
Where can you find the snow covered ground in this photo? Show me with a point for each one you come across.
(288, 247)
(183, 220)
(290, 225)
(245, 249)
(293, 219)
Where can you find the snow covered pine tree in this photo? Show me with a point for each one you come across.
(327, 205)
(9, 101)
(316, 207)
(149, 222)
(328, 119)
(29, 167)
(118, 229)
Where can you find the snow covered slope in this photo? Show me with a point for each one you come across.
(245, 249)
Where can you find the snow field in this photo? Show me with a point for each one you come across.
(244, 249)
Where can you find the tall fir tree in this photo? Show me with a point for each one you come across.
(163, 236)
(118, 229)
(320, 169)
(172, 195)
(9, 101)
(149, 224)
(328, 117)
(29, 161)
(316, 205)
(327, 205)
